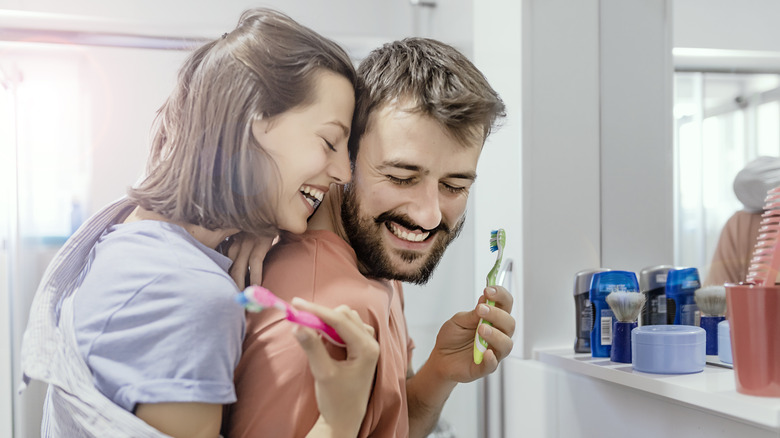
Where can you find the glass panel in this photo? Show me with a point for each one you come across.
(7, 213)
(723, 121)
(81, 121)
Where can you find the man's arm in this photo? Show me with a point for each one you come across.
(452, 358)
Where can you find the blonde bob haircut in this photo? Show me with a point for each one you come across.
(205, 166)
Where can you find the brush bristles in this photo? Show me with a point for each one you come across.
(626, 305)
(497, 238)
(711, 300)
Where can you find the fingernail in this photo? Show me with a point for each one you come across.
(486, 330)
(491, 291)
(483, 309)
(300, 335)
(297, 301)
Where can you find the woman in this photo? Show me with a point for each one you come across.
(135, 315)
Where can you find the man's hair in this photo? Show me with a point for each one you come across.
(205, 166)
(430, 78)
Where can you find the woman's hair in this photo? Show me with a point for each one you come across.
(430, 78)
(205, 166)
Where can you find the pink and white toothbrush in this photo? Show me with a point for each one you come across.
(257, 298)
(765, 263)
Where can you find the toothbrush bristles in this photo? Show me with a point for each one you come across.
(497, 237)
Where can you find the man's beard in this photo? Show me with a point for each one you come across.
(365, 236)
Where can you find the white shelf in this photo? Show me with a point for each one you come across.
(711, 390)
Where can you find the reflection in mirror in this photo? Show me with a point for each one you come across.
(722, 121)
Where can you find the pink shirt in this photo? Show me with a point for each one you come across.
(274, 386)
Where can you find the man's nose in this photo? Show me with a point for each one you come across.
(424, 207)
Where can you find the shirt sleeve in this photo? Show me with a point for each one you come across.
(176, 340)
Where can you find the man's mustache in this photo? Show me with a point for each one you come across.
(407, 223)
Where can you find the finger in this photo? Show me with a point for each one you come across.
(246, 246)
(500, 296)
(500, 319)
(499, 342)
(238, 268)
(256, 259)
(348, 325)
(489, 361)
(320, 361)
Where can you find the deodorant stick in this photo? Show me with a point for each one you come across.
(583, 312)
(652, 283)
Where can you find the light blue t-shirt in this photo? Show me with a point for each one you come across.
(155, 318)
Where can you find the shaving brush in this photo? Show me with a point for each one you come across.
(711, 301)
(626, 306)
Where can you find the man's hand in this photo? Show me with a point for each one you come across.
(452, 358)
(453, 355)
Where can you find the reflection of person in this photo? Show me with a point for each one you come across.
(423, 114)
(253, 135)
(731, 259)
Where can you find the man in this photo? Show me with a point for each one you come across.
(422, 117)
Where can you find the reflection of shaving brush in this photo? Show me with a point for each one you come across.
(712, 304)
(626, 306)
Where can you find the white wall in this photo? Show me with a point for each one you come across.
(727, 24)
(211, 18)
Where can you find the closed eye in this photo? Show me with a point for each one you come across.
(330, 145)
(400, 181)
(454, 189)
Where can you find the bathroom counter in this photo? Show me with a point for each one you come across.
(712, 390)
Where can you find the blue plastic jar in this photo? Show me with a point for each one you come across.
(668, 349)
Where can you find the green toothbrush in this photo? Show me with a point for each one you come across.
(497, 243)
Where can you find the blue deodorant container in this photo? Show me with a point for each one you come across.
(680, 287)
(601, 285)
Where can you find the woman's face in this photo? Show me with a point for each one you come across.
(309, 145)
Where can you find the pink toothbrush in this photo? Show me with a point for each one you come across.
(766, 254)
(257, 298)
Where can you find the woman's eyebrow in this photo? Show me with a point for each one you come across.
(338, 124)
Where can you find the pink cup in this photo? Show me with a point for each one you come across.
(754, 317)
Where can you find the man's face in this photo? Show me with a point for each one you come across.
(407, 199)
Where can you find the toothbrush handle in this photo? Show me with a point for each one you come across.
(310, 320)
(480, 344)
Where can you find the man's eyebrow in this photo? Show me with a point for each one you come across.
(339, 125)
(471, 176)
(398, 164)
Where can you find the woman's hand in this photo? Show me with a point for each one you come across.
(247, 253)
(342, 387)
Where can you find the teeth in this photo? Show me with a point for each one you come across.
(319, 194)
(314, 195)
(405, 235)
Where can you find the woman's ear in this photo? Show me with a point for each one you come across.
(260, 127)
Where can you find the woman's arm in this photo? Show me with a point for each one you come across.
(182, 420)
(342, 387)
